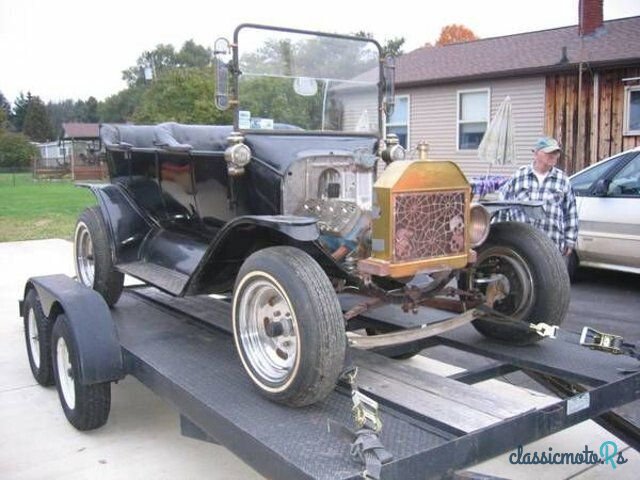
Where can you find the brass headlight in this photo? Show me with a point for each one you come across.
(479, 221)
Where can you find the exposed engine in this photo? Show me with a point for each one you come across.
(338, 191)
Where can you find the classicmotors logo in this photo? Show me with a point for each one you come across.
(607, 454)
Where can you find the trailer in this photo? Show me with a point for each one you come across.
(431, 426)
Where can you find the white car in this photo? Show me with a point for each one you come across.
(608, 198)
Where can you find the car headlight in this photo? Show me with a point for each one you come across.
(239, 155)
(393, 153)
(479, 224)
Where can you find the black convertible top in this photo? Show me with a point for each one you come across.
(168, 136)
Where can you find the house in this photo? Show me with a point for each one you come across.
(580, 84)
(85, 155)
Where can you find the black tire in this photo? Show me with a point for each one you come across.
(37, 334)
(287, 279)
(514, 247)
(572, 266)
(85, 406)
(105, 280)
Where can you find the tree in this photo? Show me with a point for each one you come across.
(119, 108)
(37, 125)
(193, 55)
(15, 150)
(61, 112)
(391, 46)
(455, 33)
(5, 112)
(20, 106)
(182, 95)
(91, 111)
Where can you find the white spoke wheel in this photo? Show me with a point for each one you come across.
(288, 326)
(536, 274)
(93, 256)
(85, 406)
(37, 332)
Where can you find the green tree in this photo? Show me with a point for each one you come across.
(182, 95)
(15, 150)
(91, 111)
(193, 55)
(160, 59)
(61, 112)
(391, 46)
(5, 112)
(119, 108)
(37, 125)
(20, 106)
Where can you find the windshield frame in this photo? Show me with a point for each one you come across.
(235, 73)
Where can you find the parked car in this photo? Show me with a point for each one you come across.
(302, 200)
(608, 198)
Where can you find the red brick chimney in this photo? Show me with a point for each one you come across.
(590, 12)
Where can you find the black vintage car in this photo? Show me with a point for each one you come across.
(302, 200)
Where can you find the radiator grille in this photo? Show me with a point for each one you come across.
(428, 225)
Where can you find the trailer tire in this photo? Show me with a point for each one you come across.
(85, 406)
(93, 257)
(537, 273)
(37, 333)
(288, 326)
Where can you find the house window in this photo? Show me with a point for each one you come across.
(473, 116)
(632, 110)
(398, 122)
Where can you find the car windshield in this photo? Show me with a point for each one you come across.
(298, 81)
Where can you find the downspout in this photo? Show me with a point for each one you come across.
(595, 118)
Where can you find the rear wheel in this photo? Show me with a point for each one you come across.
(288, 326)
(93, 256)
(37, 332)
(85, 406)
(534, 275)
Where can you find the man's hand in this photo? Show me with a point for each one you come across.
(567, 251)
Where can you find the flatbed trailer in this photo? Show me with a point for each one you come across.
(182, 349)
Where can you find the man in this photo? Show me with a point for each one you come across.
(542, 180)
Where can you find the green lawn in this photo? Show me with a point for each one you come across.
(39, 209)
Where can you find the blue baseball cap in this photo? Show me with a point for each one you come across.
(547, 145)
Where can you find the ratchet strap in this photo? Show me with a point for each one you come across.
(367, 447)
(607, 342)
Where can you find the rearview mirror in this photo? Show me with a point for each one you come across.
(222, 55)
(389, 71)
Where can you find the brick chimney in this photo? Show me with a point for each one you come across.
(590, 12)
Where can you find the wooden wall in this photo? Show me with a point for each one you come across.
(588, 131)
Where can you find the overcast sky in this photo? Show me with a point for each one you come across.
(61, 49)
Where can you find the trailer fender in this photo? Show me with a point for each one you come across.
(92, 328)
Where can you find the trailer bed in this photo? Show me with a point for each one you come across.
(182, 350)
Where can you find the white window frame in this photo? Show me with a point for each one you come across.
(459, 93)
(408, 122)
(627, 109)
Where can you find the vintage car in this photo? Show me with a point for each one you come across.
(302, 200)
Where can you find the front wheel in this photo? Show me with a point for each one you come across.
(288, 326)
(535, 275)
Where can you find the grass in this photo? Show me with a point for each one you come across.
(32, 209)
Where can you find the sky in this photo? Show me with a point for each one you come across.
(60, 49)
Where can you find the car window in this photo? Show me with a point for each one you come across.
(627, 181)
(582, 182)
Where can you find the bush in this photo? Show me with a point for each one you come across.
(15, 150)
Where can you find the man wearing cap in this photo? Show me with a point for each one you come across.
(542, 180)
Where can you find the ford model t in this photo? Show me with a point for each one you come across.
(303, 201)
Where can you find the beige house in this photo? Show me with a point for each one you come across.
(580, 84)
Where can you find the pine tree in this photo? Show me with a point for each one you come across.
(37, 125)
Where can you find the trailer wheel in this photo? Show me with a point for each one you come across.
(93, 256)
(85, 406)
(288, 326)
(37, 333)
(537, 280)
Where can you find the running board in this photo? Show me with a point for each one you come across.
(165, 279)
